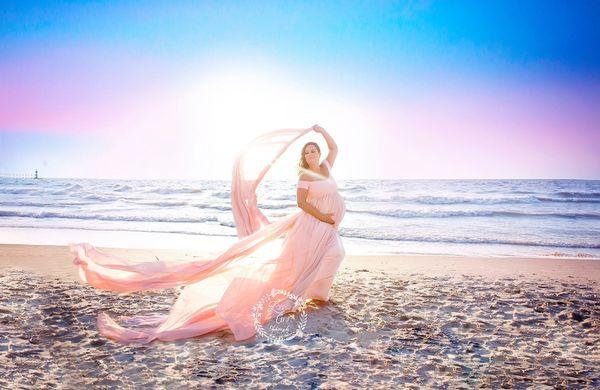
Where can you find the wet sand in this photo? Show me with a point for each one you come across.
(412, 321)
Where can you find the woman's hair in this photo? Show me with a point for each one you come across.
(303, 165)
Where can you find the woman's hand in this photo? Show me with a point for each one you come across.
(318, 128)
(327, 219)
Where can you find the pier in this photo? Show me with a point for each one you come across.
(19, 175)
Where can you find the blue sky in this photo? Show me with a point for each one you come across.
(80, 68)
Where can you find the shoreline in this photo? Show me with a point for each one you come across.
(153, 240)
(55, 261)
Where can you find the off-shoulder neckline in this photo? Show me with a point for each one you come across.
(328, 171)
(313, 181)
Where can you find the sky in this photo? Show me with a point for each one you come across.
(408, 89)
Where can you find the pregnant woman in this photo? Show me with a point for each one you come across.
(220, 293)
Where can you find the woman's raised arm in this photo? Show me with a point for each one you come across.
(331, 145)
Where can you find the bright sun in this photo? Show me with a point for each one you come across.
(228, 109)
(220, 110)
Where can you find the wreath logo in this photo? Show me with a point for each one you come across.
(289, 312)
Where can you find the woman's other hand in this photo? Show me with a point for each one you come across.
(327, 218)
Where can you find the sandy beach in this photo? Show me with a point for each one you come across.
(412, 321)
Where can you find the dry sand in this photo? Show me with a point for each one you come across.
(411, 321)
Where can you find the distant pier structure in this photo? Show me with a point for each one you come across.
(19, 175)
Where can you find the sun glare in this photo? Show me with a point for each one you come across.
(221, 110)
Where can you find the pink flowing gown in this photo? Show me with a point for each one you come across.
(220, 293)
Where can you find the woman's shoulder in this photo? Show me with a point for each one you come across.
(302, 182)
(305, 177)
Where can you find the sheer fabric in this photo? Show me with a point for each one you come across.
(219, 293)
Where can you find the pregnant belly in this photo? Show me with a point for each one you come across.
(331, 205)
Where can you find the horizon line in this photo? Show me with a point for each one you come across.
(229, 179)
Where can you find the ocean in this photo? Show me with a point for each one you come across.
(538, 218)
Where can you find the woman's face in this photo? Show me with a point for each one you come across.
(311, 154)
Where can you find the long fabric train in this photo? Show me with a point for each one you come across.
(218, 293)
